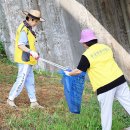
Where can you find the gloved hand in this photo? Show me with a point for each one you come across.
(67, 73)
(34, 54)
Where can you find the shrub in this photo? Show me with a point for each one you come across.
(2, 51)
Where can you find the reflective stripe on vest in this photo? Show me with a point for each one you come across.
(31, 41)
(103, 68)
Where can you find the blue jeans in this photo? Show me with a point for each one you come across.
(25, 78)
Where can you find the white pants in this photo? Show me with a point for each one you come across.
(25, 77)
(122, 94)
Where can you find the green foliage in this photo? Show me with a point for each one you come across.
(6, 61)
(8, 72)
(3, 56)
(2, 51)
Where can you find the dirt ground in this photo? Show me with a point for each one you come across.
(47, 96)
(49, 92)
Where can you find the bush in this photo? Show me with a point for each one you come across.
(2, 51)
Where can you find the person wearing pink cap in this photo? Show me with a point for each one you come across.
(106, 77)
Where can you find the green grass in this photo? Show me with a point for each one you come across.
(62, 119)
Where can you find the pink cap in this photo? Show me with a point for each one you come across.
(87, 35)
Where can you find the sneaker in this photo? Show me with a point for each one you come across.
(11, 103)
(36, 105)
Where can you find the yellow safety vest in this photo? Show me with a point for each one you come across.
(31, 41)
(103, 68)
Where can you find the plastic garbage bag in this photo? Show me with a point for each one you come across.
(73, 90)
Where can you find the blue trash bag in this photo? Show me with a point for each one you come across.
(73, 90)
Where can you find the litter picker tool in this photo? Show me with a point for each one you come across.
(73, 87)
(52, 63)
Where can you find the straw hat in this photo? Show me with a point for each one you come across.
(35, 14)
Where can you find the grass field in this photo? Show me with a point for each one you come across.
(56, 115)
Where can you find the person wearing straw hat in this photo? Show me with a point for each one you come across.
(106, 77)
(26, 56)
